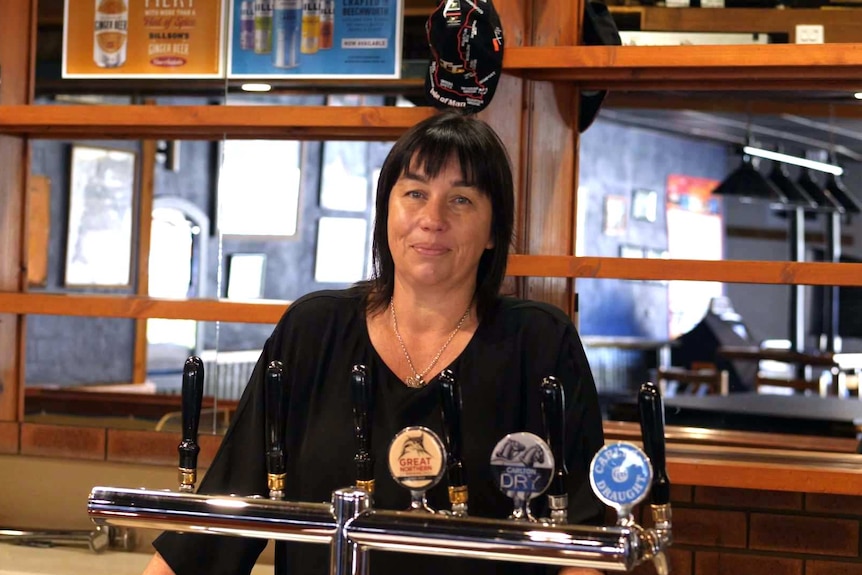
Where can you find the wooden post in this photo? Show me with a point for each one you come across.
(17, 47)
(543, 142)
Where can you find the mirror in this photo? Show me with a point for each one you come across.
(626, 160)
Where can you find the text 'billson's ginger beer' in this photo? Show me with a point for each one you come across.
(286, 26)
(110, 33)
(310, 26)
(327, 24)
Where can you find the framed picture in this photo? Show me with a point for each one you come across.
(246, 276)
(614, 216)
(258, 188)
(341, 250)
(645, 205)
(343, 176)
(101, 216)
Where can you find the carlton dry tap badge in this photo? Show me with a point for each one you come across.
(620, 475)
(523, 466)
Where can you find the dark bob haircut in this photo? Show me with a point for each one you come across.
(484, 164)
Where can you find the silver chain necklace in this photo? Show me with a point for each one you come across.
(418, 379)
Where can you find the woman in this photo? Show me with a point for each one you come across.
(445, 212)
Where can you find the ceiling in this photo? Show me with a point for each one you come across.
(811, 123)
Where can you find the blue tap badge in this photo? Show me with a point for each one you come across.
(620, 475)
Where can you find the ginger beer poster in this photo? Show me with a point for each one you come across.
(315, 39)
(143, 38)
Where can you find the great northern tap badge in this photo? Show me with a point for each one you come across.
(620, 475)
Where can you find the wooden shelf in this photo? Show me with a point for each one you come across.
(209, 122)
(839, 25)
(749, 67)
(140, 307)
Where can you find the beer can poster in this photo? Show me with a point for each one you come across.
(143, 38)
(315, 39)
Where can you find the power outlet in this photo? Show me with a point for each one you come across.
(809, 34)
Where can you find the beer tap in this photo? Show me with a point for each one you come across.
(553, 418)
(651, 410)
(450, 400)
(277, 397)
(362, 400)
(192, 397)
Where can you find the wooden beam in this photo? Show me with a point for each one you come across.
(727, 271)
(269, 312)
(210, 122)
(16, 87)
(139, 307)
(145, 225)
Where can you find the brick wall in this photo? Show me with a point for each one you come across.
(722, 531)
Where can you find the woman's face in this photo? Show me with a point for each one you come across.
(438, 228)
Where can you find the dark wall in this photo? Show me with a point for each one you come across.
(615, 160)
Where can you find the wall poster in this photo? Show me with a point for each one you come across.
(314, 39)
(143, 38)
(694, 232)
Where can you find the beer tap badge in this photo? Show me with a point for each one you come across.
(417, 458)
(620, 475)
(522, 465)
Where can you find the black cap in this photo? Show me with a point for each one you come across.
(466, 41)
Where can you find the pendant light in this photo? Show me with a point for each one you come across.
(796, 196)
(842, 195)
(826, 202)
(749, 185)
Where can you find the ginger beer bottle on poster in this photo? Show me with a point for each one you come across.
(310, 26)
(286, 29)
(110, 33)
(327, 24)
(262, 26)
(246, 26)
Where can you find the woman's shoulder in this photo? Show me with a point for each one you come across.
(531, 312)
(331, 304)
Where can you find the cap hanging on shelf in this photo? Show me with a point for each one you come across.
(749, 185)
(466, 42)
(826, 202)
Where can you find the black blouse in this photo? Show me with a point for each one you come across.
(319, 339)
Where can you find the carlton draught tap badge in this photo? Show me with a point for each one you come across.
(620, 476)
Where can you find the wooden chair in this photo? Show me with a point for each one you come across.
(702, 378)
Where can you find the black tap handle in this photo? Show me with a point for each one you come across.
(553, 410)
(360, 388)
(651, 410)
(192, 398)
(450, 399)
(276, 401)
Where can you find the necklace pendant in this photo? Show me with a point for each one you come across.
(415, 381)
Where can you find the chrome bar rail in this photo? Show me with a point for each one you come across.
(351, 527)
